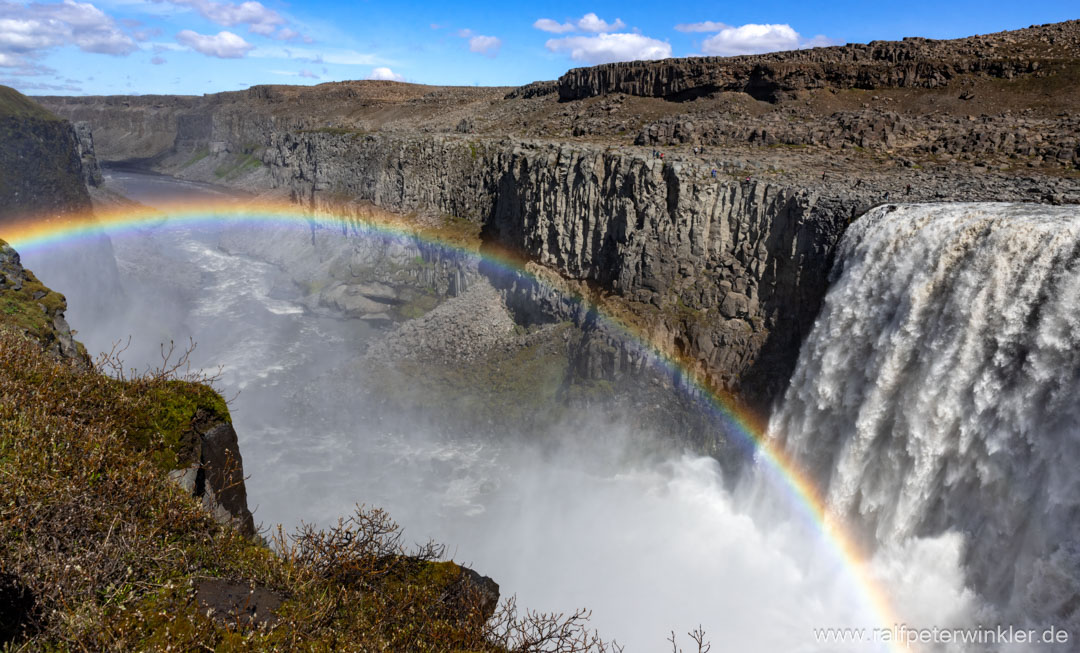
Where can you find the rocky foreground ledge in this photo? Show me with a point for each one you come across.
(126, 524)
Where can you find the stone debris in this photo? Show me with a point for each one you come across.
(461, 329)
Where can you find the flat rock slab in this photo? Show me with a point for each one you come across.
(238, 603)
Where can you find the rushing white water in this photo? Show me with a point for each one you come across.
(939, 392)
(649, 543)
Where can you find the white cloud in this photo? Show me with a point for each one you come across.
(609, 48)
(157, 61)
(751, 39)
(19, 67)
(224, 45)
(26, 31)
(259, 18)
(755, 39)
(286, 34)
(485, 45)
(385, 73)
(707, 26)
(307, 73)
(555, 27)
(590, 22)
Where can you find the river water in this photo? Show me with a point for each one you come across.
(649, 545)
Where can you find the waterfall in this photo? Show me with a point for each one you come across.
(939, 392)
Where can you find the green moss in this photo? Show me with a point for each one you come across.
(32, 308)
(315, 287)
(594, 390)
(459, 231)
(169, 417)
(441, 574)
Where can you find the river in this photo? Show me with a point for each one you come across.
(649, 545)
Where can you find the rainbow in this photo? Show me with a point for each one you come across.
(46, 232)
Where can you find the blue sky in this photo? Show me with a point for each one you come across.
(204, 46)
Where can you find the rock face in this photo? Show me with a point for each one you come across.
(727, 274)
(215, 473)
(84, 142)
(914, 62)
(41, 169)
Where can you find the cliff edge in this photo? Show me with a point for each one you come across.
(41, 161)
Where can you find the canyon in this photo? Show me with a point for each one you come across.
(798, 232)
(719, 251)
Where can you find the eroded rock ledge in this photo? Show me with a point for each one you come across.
(913, 62)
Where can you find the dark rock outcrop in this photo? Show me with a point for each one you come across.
(214, 472)
(535, 89)
(486, 589)
(41, 171)
(238, 604)
(18, 608)
(84, 141)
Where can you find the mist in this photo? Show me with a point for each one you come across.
(592, 511)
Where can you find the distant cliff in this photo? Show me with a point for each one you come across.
(911, 63)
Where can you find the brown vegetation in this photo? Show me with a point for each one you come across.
(99, 550)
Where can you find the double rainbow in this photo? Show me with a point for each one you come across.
(46, 232)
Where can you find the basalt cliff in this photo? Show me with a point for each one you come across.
(701, 199)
